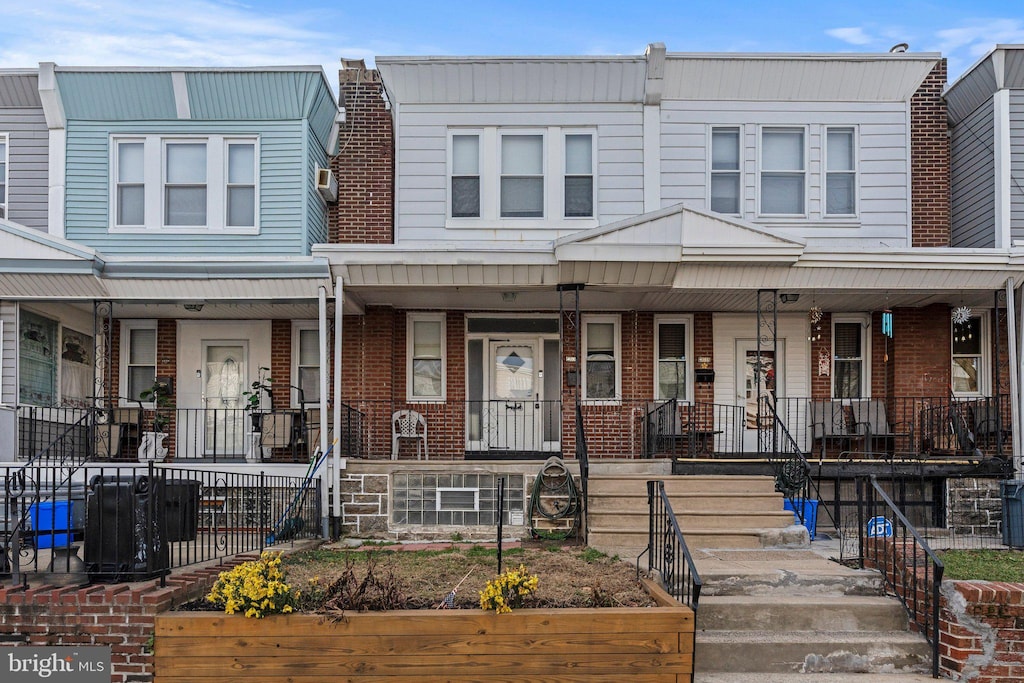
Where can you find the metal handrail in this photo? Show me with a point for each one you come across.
(797, 469)
(902, 572)
(583, 457)
(668, 556)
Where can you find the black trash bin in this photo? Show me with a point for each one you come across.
(1013, 512)
(125, 534)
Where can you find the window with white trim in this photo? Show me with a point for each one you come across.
(602, 379)
(970, 356)
(3, 175)
(37, 359)
(305, 363)
(725, 170)
(522, 176)
(138, 358)
(465, 175)
(579, 175)
(840, 172)
(672, 351)
(426, 353)
(783, 176)
(184, 184)
(539, 176)
(850, 358)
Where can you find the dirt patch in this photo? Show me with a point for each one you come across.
(569, 575)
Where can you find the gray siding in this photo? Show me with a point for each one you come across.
(1017, 164)
(971, 91)
(28, 157)
(316, 215)
(422, 165)
(973, 179)
(282, 200)
(883, 211)
(9, 353)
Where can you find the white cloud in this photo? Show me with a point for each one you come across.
(853, 35)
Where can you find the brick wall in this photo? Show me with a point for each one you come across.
(280, 362)
(167, 366)
(982, 632)
(365, 164)
(921, 351)
(119, 616)
(929, 162)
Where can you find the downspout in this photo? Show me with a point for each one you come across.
(325, 526)
(339, 301)
(1015, 373)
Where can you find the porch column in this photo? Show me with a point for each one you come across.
(1016, 374)
(339, 305)
(325, 527)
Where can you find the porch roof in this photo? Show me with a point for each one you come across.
(49, 267)
(676, 258)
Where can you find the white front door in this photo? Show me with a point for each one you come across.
(514, 399)
(225, 373)
(757, 375)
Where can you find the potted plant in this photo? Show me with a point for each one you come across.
(152, 445)
(254, 402)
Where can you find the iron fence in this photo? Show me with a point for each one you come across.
(112, 524)
(913, 572)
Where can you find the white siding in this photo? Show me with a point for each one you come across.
(1017, 164)
(883, 178)
(422, 166)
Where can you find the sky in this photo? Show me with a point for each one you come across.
(265, 32)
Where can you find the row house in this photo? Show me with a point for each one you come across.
(159, 298)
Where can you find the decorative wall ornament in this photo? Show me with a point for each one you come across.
(814, 316)
(961, 315)
(887, 323)
(824, 364)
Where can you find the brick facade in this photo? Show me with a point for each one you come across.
(929, 162)
(365, 164)
(982, 632)
(921, 351)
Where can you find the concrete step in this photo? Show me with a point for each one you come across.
(628, 543)
(691, 520)
(651, 469)
(637, 483)
(801, 613)
(735, 502)
(776, 651)
(835, 677)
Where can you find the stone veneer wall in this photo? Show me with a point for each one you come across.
(974, 506)
(364, 505)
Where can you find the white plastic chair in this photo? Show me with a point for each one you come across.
(408, 424)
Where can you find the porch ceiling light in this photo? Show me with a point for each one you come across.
(789, 297)
(193, 307)
(508, 297)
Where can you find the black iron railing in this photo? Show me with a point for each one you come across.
(681, 429)
(668, 558)
(583, 457)
(912, 571)
(115, 524)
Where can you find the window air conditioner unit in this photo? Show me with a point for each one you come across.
(326, 184)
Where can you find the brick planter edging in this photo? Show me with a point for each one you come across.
(982, 631)
(121, 616)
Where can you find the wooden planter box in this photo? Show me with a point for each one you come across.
(643, 644)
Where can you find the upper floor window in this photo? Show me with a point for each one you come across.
(465, 185)
(3, 176)
(841, 172)
(579, 176)
(672, 352)
(969, 357)
(601, 376)
(725, 170)
(184, 183)
(783, 176)
(426, 353)
(849, 344)
(514, 176)
(522, 176)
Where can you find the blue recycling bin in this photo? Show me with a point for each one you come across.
(51, 522)
(1012, 492)
(809, 508)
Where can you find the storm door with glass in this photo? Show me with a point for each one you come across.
(226, 368)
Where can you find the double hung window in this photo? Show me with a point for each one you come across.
(138, 349)
(841, 173)
(3, 176)
(849, 352)
(969, 346)
(672, 369)
(579, 176)
(783, 175)
(725, 170)
(306, 350)
(465, 186)
(426, 345)
(522, 176)
(601, 358)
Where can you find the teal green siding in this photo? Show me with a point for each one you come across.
(284, 166)
(118, 95)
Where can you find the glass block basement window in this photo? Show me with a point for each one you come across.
(455, 499)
